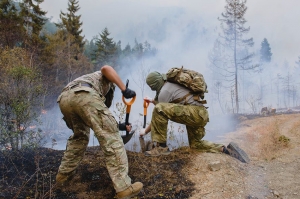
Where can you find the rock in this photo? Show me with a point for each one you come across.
(214, 166)
(276, 193)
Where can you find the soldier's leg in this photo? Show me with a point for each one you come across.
(105, 127)
(159, 123)
(183, 114)
(76, 146)
(195, 136)
(78, 142)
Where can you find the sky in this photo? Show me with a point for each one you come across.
(184, 32)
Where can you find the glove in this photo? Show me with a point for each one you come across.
(142, 132)
(122, 126)
(127, 93)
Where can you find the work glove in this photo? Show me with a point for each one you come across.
(128, 93)
(142, 132)
(122, 126)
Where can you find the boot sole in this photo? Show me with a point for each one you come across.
(238, 153)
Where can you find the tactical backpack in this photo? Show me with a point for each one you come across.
(190, 79)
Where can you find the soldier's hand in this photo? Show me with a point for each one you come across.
(148, 100)
(128, 127)
(124, 127)
(142, 132)
(128, 93)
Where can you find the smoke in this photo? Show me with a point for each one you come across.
(184, 34)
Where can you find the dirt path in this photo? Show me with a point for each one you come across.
(272, 144)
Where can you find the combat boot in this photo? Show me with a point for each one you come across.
(236, 152)
(63, 179)
(131, 191)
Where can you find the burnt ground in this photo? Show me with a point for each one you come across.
(31, 174)
(272, 144)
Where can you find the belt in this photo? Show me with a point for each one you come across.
(77, 85)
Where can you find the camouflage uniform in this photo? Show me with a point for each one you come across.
(195, 119)
(84, 108)
(187, 111)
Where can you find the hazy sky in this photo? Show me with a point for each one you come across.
(276, 20)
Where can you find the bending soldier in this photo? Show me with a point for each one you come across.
(85, 103)
(189, 111)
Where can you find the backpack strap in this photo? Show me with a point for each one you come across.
(195, 96)
(176, 101)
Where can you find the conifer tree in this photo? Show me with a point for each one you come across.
(106, 49)
(236, 54)
(72, 24)
(33, 20)
(265, 51)
(11, 25)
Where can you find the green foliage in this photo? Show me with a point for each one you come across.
(49, 27)
(12, 30)
(62, 54)
(110, 52)
(33, 20)
(106, 49)
(72, 24)
(20, 100)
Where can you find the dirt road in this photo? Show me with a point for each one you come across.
(272, 144)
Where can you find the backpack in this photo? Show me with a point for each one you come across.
(190, 79)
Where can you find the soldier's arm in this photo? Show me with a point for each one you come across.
(112, 76)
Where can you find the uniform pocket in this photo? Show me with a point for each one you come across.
(81, 89)
(181, 111)
(109, 123)
(204, 114)
(118, 151)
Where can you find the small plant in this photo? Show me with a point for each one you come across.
(271, 141)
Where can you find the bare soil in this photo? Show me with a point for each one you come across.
(272, 144)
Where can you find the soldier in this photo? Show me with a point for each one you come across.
(85, 103)
(188, 111)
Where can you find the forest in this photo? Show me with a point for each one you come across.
(39, 57)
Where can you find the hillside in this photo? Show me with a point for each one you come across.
(272, 144)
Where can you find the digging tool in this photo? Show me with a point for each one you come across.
(146, 104)
(128, 135)
(141, 138)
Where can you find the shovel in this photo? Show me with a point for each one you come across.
(141, 138)
(128, 135)
(146, 104)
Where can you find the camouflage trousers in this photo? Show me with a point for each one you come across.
(194, 117)
(83, 109)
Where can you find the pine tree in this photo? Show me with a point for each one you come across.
(265, 51)
(89, 49)
(11, 25)
(34, 20)
(138, 49)
(106, 49)
(237, 56)
(71, 23)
